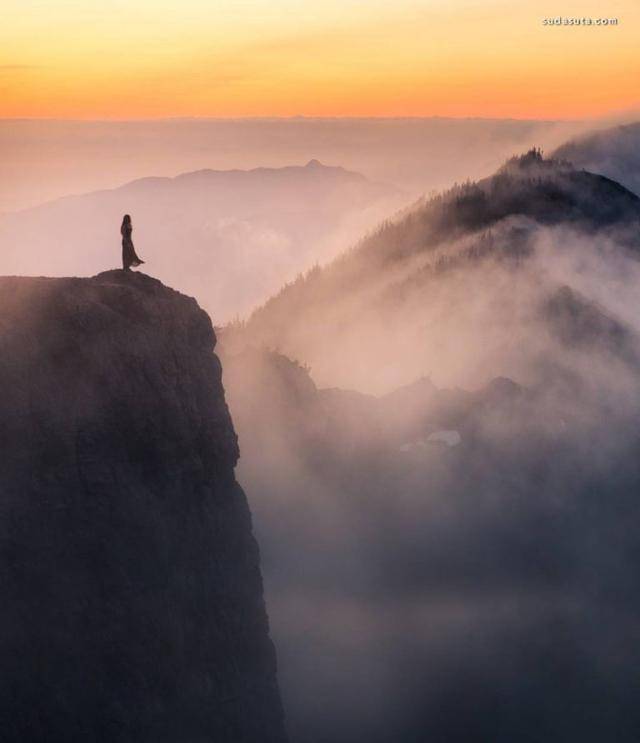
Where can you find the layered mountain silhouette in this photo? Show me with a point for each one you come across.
(439, 439)
(614, 152)
(48, 158)
(231, 238)
(481, 258)
(441, 431)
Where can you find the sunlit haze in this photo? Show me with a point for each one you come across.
(137, 59)
(319, 371)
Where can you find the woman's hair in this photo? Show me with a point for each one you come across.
(126, 219)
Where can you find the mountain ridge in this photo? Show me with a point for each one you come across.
(312, 165)
(228, 237)
(614, 152)
(499, 225)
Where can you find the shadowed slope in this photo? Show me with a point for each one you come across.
(447, 264)
(613, 152)
(131, 586)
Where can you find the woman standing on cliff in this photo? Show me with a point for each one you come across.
(129, 257)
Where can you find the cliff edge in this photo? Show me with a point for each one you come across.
(129, 576)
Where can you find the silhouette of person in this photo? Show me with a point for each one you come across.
(129, 257)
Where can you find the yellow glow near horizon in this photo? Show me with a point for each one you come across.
(139, 59)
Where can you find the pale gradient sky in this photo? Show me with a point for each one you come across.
(156, 58)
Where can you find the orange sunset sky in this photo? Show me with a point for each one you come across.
(143, 58)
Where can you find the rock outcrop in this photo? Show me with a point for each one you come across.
(129, 576)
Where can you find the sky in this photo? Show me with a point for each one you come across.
(124, 59)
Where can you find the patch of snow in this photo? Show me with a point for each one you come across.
(413, 446)
(450, 438)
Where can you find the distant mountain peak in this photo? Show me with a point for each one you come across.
(314, 164)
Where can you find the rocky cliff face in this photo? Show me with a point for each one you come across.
(129, 576)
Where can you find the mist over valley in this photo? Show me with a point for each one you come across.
(436, 404)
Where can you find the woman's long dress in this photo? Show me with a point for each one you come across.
(129, 257)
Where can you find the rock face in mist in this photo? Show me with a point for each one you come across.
(129, 576)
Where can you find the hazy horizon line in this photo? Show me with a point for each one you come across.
(299, 117)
